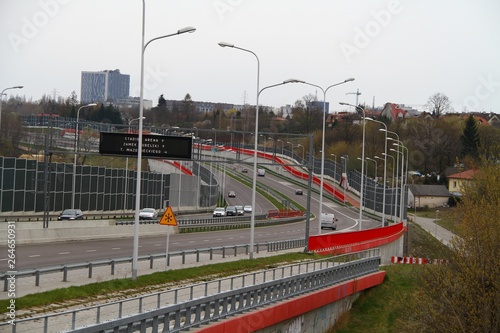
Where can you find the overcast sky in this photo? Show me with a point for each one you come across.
(397, 51)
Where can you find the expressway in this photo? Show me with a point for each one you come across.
(42, 255)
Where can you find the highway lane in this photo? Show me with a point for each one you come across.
(41, 255)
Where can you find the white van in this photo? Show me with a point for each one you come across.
(328, 221)
(261, 172)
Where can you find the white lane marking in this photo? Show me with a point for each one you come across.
(158, 245)
(34, 256)
(91, 250)
(63, 252)
(116, 248)
(4, 259)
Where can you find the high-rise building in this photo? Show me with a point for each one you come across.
(104, 86)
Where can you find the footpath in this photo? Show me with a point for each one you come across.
(441, 234)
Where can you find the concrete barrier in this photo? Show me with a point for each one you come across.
(63, 231)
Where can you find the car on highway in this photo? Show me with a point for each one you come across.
(148, 214)
(231, 194)
(299, 191)
(70, 214)
(247, 209)
(244, 171)
(328, 221)
(219, 212)
(240, 210)
(231, 211)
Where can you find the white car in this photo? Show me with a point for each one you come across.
(219, 212)
(148, 214)
(247, 209)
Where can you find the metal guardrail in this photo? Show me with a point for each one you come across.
(212, 251)
(180, 308)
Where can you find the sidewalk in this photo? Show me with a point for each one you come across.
(441, 234)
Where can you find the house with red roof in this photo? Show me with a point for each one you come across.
(459, 181)
(394, 111)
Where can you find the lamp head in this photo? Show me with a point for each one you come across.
(18, 87)
(224, 44)
(185, 30)
(92, 104)
(293, 81)
(349, 79)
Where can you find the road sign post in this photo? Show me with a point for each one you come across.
(168, 219)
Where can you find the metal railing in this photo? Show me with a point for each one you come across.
(180, 308)
(221, 251)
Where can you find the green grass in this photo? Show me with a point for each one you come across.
(383, 309)
(145, 282)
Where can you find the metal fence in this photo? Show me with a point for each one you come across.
(180, 308)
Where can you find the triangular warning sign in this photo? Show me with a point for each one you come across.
(168, 217)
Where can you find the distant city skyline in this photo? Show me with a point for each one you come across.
(398, 51)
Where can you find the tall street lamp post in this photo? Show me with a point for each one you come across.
(125, 197)
(139, 139)
(392, 184)
(303, 151)
(256, 138)
(385, 185)
(282, 145)
(404, 177)
(371, 159)
(1, 94)
(345, 171)
(77, 137)
(334, 172)
(362, 164)
(322, 176)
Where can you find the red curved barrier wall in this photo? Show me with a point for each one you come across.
(353, 241)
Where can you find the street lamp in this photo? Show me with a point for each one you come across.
(77, 136)
(282, 144)
(1, 94)
(362, 165)
(392, 183)
(125, 199)
(265, 142)
(139, 139)
(385, 184)
(256, 138)
(291, 144)
(322, 177)
(303, 151)
(334, 171)
(371, 159)
(345, 170)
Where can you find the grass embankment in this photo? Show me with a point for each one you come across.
(383, 308)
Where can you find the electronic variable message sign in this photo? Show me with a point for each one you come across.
(159, 146)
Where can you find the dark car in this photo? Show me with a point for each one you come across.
(299, 192)
(231, 211)
(71, 214)
(231, 194)
(244, 170)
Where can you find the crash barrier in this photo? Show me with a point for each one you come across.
(189, 306)
(212, 252)
(417, 261)
(284, 213)
(352, 241)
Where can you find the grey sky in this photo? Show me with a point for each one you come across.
(398, 51)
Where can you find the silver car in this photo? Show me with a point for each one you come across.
(148, 214)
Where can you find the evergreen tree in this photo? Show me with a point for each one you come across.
(470, 139)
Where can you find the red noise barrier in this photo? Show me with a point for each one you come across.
(354, 241)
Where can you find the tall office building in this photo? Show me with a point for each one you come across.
(104, 86)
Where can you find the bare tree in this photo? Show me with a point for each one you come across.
(439, 104)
